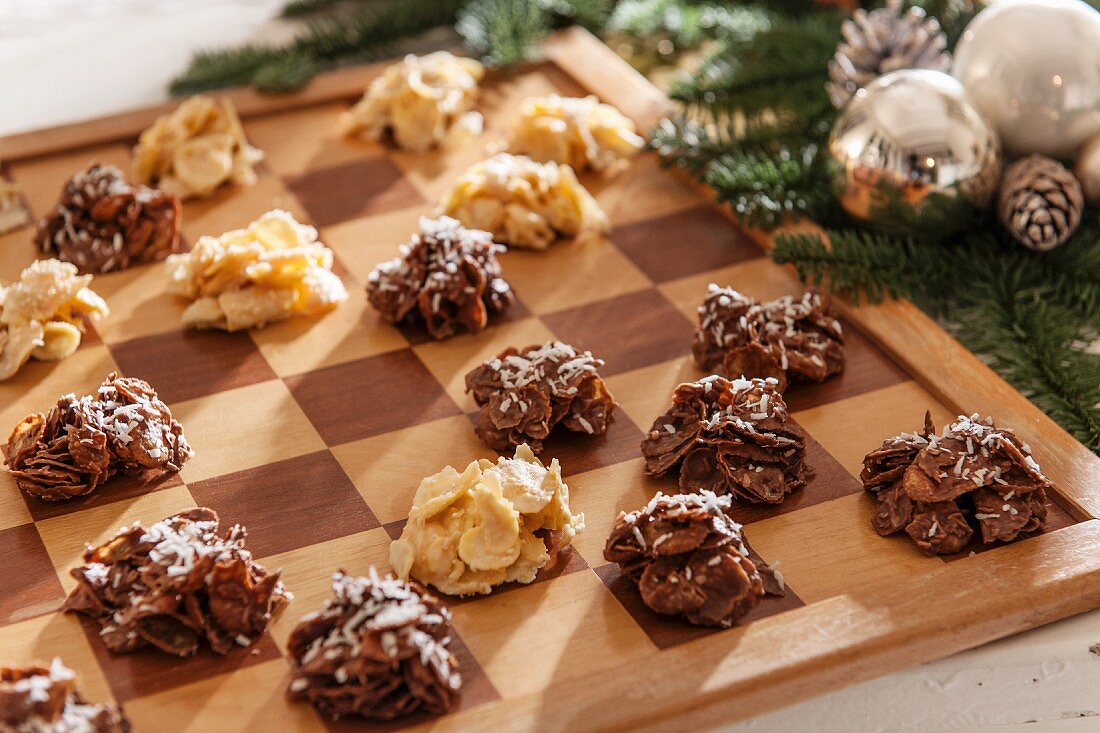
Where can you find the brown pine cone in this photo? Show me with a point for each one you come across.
(687, 556)
(38, 699)
(729, 438)
(1040, 203)
(174, 584)
(102, 223)
(448, 276)
(939, 488)
(379, 649)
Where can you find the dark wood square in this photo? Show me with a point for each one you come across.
(28, 585)
(361, 398)
(182, 365)
(684, 243)
(288, 505)
(122, 486)
(627, 332)
(354, 189)
(580, 452)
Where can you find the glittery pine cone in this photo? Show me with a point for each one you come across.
(1040, 203)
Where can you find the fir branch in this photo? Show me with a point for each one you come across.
(503, 31)
(766, 190)
(300, 8)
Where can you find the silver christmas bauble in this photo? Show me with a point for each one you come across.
(1032, 67)
(911, 155)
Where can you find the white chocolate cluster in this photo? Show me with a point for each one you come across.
(580, 132)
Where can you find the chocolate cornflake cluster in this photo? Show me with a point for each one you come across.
(729, 437)
(448, 276)
(83, 441)
(523, 394)
(38, 699)
(379, 649)
(939, 488)
(782, 338)
(687, 556)
(102, 223)
(174, 584)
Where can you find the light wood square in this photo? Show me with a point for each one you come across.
(360, 244)
(13, 511)
(43, 638)
(306, 139)
(388, 468)
(244, 428)
(646, 393)
(571, 273)
(66, 536)
(138, 302)
(830, 549)
(352, 331)
(850, 429)
(43, 178)
(17, 250)
(307, 572)
(640, 191)
(37, 386)
(449, 361)
(759, 278)
(552, 631)
(604, 492)
(235, 207)
(251, 698)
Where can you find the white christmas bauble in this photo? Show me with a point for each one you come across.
(1033, 68)
(1087, 171)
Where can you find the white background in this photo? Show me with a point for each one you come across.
(68, 60)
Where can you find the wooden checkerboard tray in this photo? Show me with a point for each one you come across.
(315, 434)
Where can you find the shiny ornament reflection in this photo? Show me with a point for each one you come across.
(1087, 170)
(911, 155)
(1032, 67)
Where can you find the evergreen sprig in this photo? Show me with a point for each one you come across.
(503, 31)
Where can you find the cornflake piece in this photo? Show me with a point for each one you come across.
(102, 223)
(468, 532)
(195, 149)
(247, 278)
(379, 649)
(729, 438)
(174, 584)
(448, 276)
(420, 100)
(781, 338)
(14, 213)
(939, 488)
(688, 557)
(524, 203)
(84, 441)
(524, 394)
(579, 132)
(38, 699)
(44, 314)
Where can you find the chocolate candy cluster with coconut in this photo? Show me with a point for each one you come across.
(688, 557)
(940, 488)
(447, 278)
(524, 394)
(378, 649)
(175, 584)
(38, 699)
(729, 437)
(84, 441)
(783, 338)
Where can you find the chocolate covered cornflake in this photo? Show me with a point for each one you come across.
(174, 584)
(83, 441)
(939, 489)
(379, 649)
(687, 556)
(524, 394)
(447, 277)
(37, 699)
(783, 338)
(102, 223)
(729, 437)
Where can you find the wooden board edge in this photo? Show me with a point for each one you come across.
(842, 641)
(935, 359)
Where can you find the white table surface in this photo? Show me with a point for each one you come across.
(68, 60)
